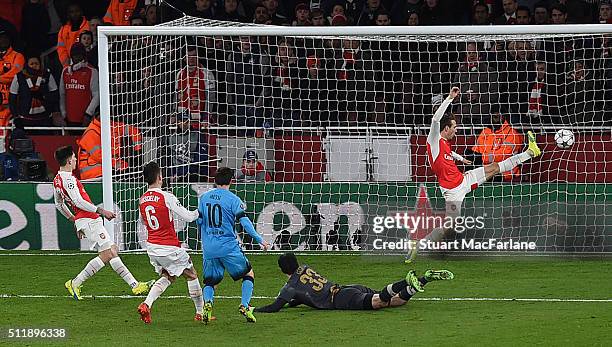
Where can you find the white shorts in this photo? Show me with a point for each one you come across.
(174, 260)
(95, 231)
(454, 197)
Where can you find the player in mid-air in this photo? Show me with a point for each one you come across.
(157, 210)
(454, 184)
(306, 287)
(69, 192)
(219, 209)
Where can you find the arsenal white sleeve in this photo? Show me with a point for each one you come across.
(457, 156)
(72, 189)
(175, 206)
(61, 206)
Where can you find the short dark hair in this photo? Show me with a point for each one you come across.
(525, 9)
(224, 176)
(62, 155)
(447, 121)
(559, 7)
(288, 263)
(151, 172)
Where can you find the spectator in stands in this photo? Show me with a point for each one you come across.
(245, 84)
(355, 81)
(151, 15)
(230, 12)
(35, 26)
(584, 96)
(119, 12)
(203, 9)
(540, 14)
(542, 98)
(197, 89)
(79, 90)
(558, 14)
(433, 14)
(413, 19)
(136, 21)
(479, 87)
(34, 94)
(509, 16)
(252, 169)
(401, 10)
(314, 94)
(517, 71)
(94, 23)
(368, 14)
(337, 9)
(523, 15)
(275, 16)
(91, 50)
(383, 18)
(497, 143)
(69, 33)
(605, 13)
(302, 15)
(11, 62)
(317, 18)
(185, 151)
(339, 20)
(261, 15)
(284, 89)
(480, 15)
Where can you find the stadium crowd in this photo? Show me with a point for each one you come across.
(49, 77)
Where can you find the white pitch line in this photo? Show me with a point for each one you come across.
(34, 296)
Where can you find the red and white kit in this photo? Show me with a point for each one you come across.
(157, 209)
(453, 183)
(72, 200)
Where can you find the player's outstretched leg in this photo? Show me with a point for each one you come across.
(111, 257)
(398, 293)
(195, 292)
(507, 165)
(160, 286)
(74, 285)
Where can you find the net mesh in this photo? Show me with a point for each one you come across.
(328, 134)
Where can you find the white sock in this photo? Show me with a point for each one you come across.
(123, 271)
(90, 269)
(195, 292)
(156, 290)
(513, 161)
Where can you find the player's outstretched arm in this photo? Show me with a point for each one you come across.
(276, 306)
(78, 200)
(175, 206)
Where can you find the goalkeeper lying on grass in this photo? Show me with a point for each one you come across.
(305, 286)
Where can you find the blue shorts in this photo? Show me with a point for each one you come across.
(236, 264)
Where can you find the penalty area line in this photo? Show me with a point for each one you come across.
(35, 296)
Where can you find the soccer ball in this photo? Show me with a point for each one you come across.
(564, 138)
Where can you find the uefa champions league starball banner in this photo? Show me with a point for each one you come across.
(347, 217)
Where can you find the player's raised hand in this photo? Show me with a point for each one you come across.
(454, 92)
(80, 234)
(467, 162)
(265, 245)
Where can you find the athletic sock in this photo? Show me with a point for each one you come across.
(247, 290)
(423, 281)
(156, 290)
(407, 293)
(90, 269)
(123, 271)
(195, 292)
(513, 161)
(391, 290)
(209, 293)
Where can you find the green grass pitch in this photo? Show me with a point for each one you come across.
(113, 321)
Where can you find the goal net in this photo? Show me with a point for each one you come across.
(326, 129)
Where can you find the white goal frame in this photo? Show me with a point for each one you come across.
(267, 30)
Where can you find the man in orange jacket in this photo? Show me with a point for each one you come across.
(126, 141)
(69, 33)
(11, 62)
(119, 12)
(499, 143)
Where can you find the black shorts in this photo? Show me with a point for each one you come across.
(354, 297)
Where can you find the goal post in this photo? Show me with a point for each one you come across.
(343, 151)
